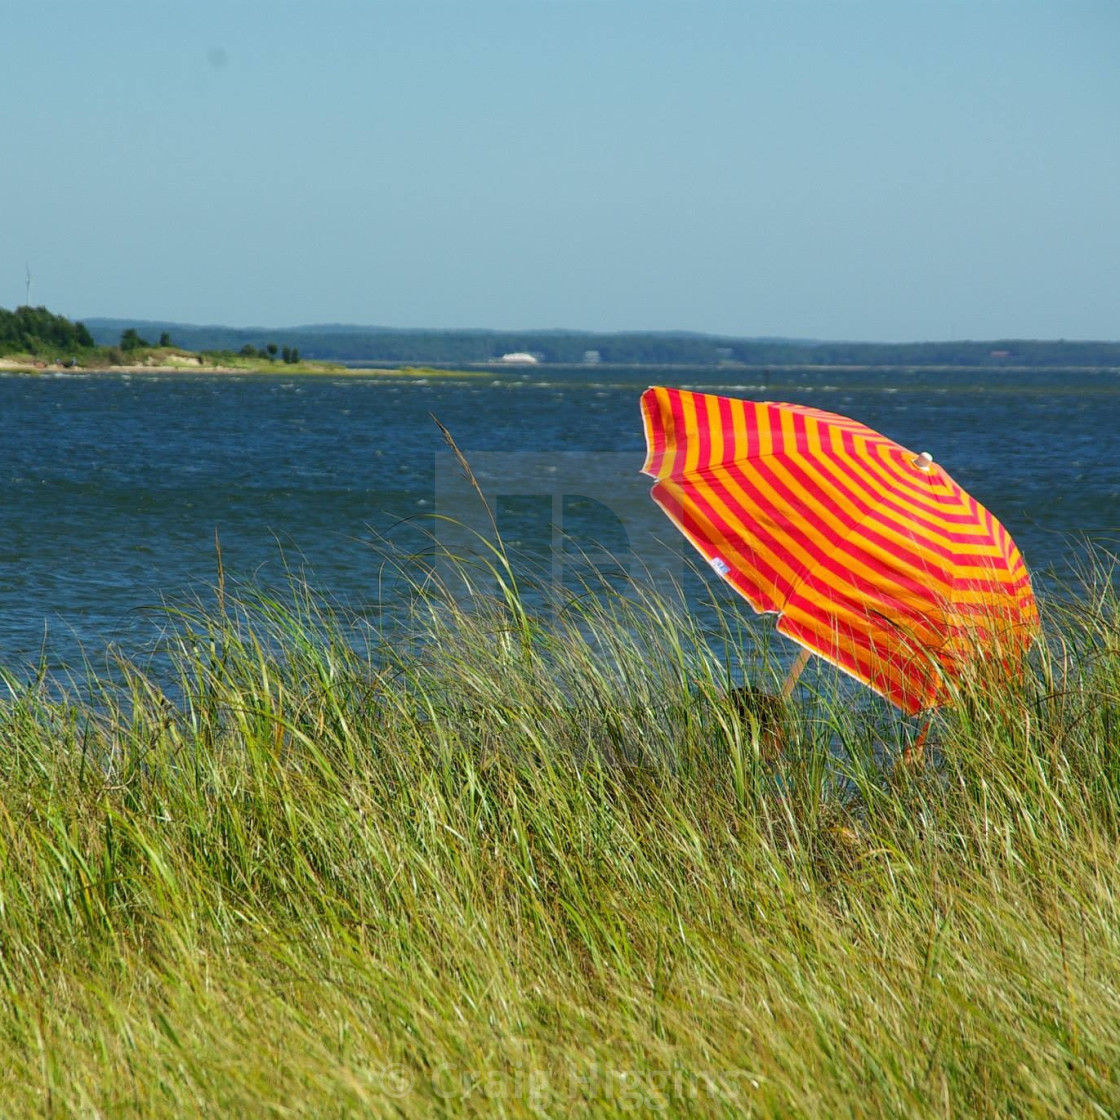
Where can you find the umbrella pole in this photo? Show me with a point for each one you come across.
(914, 752)
(795, 671)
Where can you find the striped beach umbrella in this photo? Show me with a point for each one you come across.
(870, 554)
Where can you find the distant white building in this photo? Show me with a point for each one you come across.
(519, 357)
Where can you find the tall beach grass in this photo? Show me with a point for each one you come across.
(515, 863)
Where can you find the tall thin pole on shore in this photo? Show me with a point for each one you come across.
(27, 296)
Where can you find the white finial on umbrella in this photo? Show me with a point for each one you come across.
(924, 461)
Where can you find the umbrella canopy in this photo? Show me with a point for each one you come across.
(871, 555)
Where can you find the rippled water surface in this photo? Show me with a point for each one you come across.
(114, 486)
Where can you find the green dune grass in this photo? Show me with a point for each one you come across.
(540, 866)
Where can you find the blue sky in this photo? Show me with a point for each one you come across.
(883, 170)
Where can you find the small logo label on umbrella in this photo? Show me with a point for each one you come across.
(720, 565)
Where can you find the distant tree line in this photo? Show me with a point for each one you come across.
(131, 340)
(288, 354)
(432, 347)
(35, 330)
(45, 335)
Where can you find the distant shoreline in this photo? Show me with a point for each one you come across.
(540, 371)
(471, 348)
(273, 369)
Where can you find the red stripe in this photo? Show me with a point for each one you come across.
(696, 532)
(801, 433)
(849, 546)
(895, 580)
(855, 465)
(811, 486)
(746, 527)
(849, 593)
(736, 544)
(730, 436)
(902, 518)
(974, 514)
(900, 581)
(907, 683)
(887, 544)
(678, 433)
(893, 475)
(855, 526)
(884, 503)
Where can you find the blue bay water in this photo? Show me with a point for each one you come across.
(114, 486)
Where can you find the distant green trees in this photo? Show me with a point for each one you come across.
(268, 352)
(35, 330)
(131, 340)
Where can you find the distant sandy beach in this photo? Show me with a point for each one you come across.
(57, 367)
